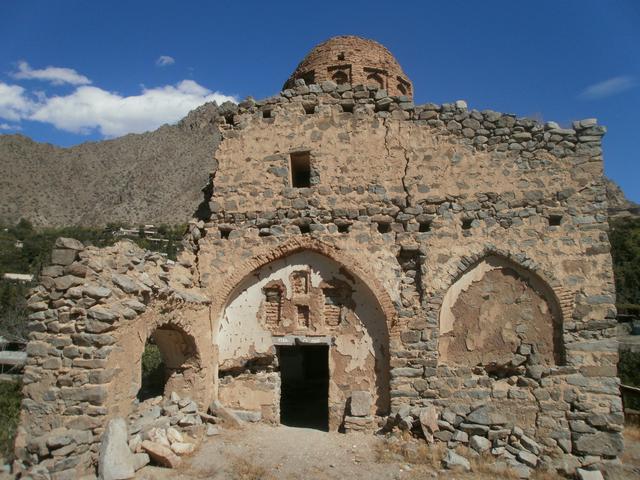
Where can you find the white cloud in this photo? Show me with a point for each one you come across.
(165, 60)
(14, 103)
(609, 87)
(6, 126)
(55, 75)
(90, 108)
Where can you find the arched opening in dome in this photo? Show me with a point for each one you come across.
(402, 89)
(374, 79)
(340, 77)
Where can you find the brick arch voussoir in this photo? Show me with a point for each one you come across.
(456, 267)
(298, 244)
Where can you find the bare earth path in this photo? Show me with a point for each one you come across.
(261, 452)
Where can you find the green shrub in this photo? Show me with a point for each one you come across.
(629, 373)
(153, 372)
(10, 397)
(625, 250)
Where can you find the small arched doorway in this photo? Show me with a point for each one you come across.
(167, 355)
(303, 321)
(161, 352)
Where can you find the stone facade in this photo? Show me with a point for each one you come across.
(353, 60)
(455, 262)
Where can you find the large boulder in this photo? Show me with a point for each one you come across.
(161, 454)
(361, 402)
(116, 461)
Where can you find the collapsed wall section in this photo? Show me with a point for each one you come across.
(91, 315)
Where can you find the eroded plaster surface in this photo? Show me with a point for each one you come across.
(495, 311)
(336, 305)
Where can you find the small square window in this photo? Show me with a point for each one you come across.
(344, 227)
(555, 220)
(224, 233)
(305, 228)
(384, 227)
(300, 170)
(466, 223)
(424, 227)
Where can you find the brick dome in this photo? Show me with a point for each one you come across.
(354, 60)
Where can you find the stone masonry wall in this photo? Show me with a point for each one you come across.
(81, 370)
(405, 198)
(419, 195)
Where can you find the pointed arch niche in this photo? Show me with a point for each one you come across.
(498, 313)
(312, 297)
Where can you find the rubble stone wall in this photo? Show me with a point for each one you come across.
(91, 316)
(405, 200)
(420, 196)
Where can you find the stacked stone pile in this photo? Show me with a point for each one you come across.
(160, 430)
(482, 430)
(360, 418)
(174, 423)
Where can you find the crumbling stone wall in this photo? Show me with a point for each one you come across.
(424, 194)
(92, 313)
(409, 200)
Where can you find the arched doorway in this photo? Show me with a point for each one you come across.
(303, 319)
(161, 352)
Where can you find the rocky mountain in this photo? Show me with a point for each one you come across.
(154, 177)
(619, 205)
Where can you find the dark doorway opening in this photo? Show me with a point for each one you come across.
(304, 396)
(153, 372)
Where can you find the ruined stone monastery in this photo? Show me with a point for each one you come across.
(358, 262)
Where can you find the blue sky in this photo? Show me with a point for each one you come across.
(75, 71)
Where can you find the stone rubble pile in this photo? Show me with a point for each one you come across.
(482, 431)
(160, 430)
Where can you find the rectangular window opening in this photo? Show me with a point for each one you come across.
(384, 227)
(303, 316)
(466, 223)
(344, 228)
(305, 228)
(347, 107)
(309, 108)
(266, 114)
(224, 233)
(301, 170)
(424, 227)
(555, 220)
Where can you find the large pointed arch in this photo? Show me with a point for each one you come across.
(297, 244)
(490, 303)
(246, 338)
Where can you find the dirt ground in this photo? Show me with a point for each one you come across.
(261, 452)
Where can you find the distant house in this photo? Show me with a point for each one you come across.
(18, 277)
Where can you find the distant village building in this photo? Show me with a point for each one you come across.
(18, 277)
(359, 262)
